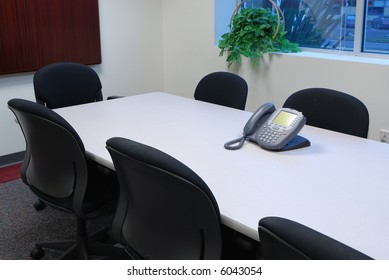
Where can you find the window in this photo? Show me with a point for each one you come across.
(354, 26)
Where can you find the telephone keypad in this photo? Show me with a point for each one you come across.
(268, 135)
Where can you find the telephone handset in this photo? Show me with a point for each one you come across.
(273, 129)
(258, 118)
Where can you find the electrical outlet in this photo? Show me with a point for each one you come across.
(384, 136)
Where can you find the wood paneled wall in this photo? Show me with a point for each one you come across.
(34, 33)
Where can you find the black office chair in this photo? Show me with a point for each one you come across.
(65, 84)
(57, 171)
(222, 88)
(165, 210)
(283, 239)
(331, 109)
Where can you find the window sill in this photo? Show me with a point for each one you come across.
(366, 58)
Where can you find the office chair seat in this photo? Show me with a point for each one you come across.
(283, 239)
(222, 88)
(165, 210)
(331, 109)
(56, 169)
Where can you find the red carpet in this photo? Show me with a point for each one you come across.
(10, 173)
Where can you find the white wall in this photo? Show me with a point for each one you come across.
(190, 54)
(132, 54)
(132, 61)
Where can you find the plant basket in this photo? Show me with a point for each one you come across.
(280, 15)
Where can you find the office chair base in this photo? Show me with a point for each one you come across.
(69, 247)
(84, 250)
(96, 246)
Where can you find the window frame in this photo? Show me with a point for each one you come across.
(361, 10)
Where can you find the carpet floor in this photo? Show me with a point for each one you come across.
(21, 225)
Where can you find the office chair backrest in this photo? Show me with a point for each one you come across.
(222, 88)
(283, 239)
(331, 109)
(165, 210)
(66, 84)
(54, 164)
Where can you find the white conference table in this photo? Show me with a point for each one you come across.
(338, 186)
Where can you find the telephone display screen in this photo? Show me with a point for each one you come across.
(284, 119)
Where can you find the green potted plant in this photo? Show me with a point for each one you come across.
(254, 32)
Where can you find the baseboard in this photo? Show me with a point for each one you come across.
(11, 158)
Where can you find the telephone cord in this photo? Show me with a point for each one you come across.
(235, 144)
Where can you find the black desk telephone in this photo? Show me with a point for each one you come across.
(273, 129)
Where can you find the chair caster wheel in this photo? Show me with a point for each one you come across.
(39, 205)
(37, 253)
